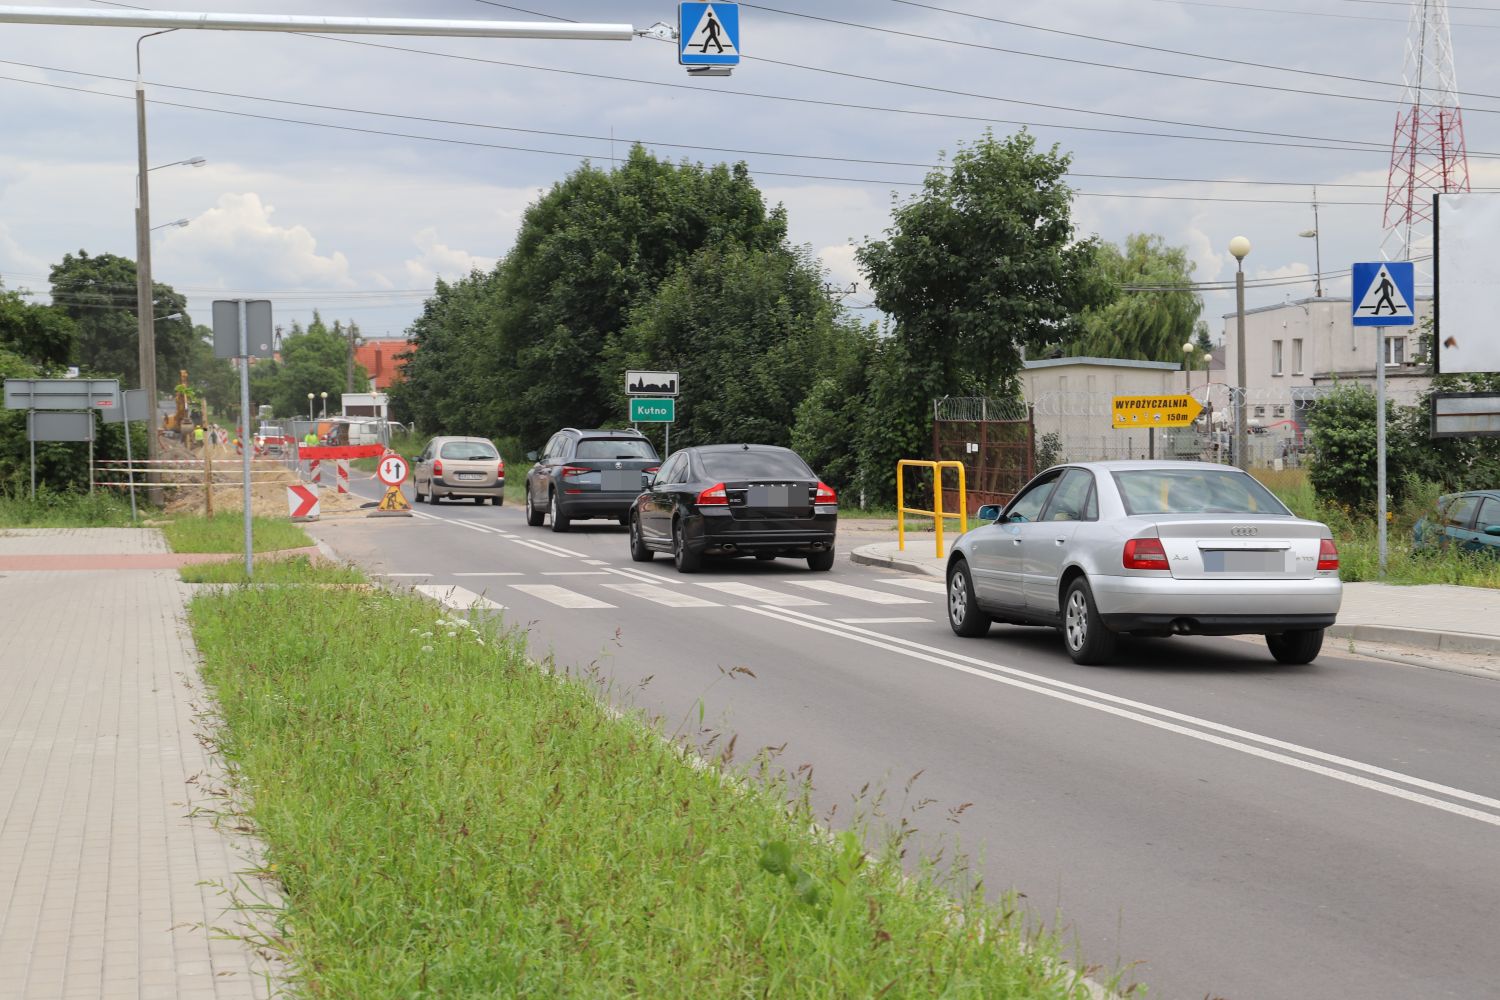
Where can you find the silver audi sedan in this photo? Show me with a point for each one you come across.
(1098, 549)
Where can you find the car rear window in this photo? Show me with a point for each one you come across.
(754, 465)
(614, 448)
(1194, 491)
(468, 451)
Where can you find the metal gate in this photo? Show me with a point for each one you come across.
(995, 439)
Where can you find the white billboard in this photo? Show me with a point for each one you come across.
(1468, 282)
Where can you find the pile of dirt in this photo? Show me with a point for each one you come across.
(269, 479)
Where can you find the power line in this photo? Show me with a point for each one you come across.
(1191, 55)
(1313, 13)
(1237, 84)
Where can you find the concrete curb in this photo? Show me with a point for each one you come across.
(870, 555)
(1445, 642)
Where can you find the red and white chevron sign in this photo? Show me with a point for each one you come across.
(302, 501)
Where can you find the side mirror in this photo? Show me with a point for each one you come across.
(1492, 529)
(989, 512)
(531, 456)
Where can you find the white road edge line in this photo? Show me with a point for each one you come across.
(995, 672)
(883, 621)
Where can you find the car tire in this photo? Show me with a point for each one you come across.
(533, 516)
(416, 491)
(764, 556)
(964, 616)
(479, 501)
(432, 497)
(686, 560)
(498, 501)
(638, 550)
(554, 512)
(625, 519)
(821, 562)
(1084, 633)
(1296, 647)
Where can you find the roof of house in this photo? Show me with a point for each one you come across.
(1163, 366)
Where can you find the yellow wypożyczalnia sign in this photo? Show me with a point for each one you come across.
(1153, 411)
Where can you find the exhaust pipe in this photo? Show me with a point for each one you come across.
(1184, 626)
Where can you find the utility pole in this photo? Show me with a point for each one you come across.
(349, 367)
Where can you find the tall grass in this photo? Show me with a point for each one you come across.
(298, 570)
(100, 509)
(225, 532)
(1357, 536)
(446, 819)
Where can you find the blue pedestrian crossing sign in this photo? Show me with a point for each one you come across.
(1385, 294)
(708, 34)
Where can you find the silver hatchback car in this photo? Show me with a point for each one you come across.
(1148, 548)
(454, 467)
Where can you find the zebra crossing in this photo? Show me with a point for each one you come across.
(609, 589)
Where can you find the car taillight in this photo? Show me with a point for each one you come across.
(652, 471)
(437, 467)
(501, 470)
(825, 494)
(1328, 555)
(1145, 553)
(714, 496)
(570, 471)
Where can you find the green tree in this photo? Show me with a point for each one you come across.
(437, 389)
(1341, 438)
(750, 330)
(981, 265)
(98, 293)
(42, 334)
(1143, 325)
(311, 361)
(1456, 463)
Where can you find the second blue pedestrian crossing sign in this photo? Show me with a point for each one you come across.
(708, 34)
(1385, 294)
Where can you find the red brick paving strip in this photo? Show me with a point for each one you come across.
(167, 560)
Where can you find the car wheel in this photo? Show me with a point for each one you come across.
(820, 562)
(964, 615)
(687, 562)
(479, 501)
(533, 516)
(1296, 647)
(638, 550)
(432, 497)
(416, 491)
(1084, 634)
(764, 556)
(554, 511)
(497, 501)
(625, 519)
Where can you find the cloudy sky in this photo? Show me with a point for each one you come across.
(837, 113)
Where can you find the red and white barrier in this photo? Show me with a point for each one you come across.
(315, 470)
(343, 467)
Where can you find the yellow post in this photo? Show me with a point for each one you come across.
(900, 508)
(936, 513)
(937, 504)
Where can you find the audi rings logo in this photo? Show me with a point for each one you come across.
(1244, 531)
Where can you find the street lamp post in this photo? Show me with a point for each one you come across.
(325, 403)
(1240, 248)
(310, 406)
(1315, 234)
(1187, 365)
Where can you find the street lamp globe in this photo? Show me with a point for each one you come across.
(1239, 247)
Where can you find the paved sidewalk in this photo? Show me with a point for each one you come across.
(1429, 616)
(107, 886)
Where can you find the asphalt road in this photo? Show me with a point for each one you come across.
(1230, 827)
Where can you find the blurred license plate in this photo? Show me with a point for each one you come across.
(471, 475)
(618, 481)
(1240, 561)
(775, 496)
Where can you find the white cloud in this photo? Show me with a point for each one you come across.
(236, 244)
(438, 260)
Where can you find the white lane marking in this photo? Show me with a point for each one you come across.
(426, 517)
(489, 574)
(577, 572)
(560, 596)
(1108, 703)
(642, 575)
(457, 598)
(412, 576)
(761, 595)
(547, 547)
(849, 590)
(884, 621)
(926, 586)
(477, 526)
(596, 562)
(670, 598)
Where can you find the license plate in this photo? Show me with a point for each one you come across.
(619, 481)
(1242, 561)
(471, 475)
(776, 496)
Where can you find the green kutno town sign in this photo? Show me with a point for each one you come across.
(652, 411)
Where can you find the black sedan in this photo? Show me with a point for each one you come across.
(733, 500)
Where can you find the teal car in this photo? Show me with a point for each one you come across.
(1470, 521)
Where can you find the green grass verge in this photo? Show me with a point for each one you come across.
(448, 820)
(100, 509)
(296, 570)
(226, 533)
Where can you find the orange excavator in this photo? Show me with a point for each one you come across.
(179, 423)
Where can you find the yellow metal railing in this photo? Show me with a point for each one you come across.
(937, 514)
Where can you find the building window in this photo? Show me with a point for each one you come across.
(1395, 350)
(1275, 357)
(1260, 411)
(1297, 356)
(1281, 410)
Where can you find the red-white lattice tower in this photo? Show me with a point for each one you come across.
(1428, 153)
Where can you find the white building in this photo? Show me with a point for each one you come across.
(1071, 400)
